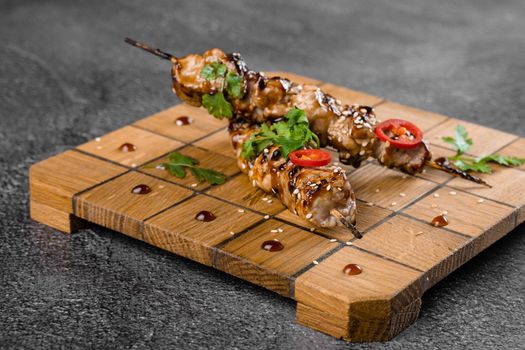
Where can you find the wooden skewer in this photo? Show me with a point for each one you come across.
(444, 165)
(347, 224)
(147, 48)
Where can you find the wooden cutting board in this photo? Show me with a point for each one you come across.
(400, 256)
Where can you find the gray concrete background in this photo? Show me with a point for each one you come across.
(66, 77)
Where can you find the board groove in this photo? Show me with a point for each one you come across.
(401, 255)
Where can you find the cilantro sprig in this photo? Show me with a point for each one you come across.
(289, 135)
(231, 83)
(462, 144)
(177, 165)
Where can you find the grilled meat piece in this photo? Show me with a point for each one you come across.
(321, 195)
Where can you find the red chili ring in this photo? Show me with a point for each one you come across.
(393, 126)
(310, 157)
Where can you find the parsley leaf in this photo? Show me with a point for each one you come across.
(178, 163)
(209, 175)
(461, 141)
(217, 105)
(502, 160)
(213, 71)
(234, 85)
(462, 144)
(289, 135)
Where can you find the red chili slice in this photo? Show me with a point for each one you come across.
(310, 157)
(400, 133)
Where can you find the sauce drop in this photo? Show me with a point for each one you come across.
(127, 147)
(352, 269)
(184, 120)
(141, 189)
(272, 246)
(440, 221)
(205, 216)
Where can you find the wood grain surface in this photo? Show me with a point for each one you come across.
(400, 256)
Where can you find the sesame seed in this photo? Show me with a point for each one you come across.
(444, 212)
(402, 195)
(393, 204)
(436, 195)
(434, 205)
(339, 189)
(264, 199)
(232, 233)
(97, 139)
(312, 229)
(266, 150)
(309, 215)
(362, 152)
(333, 240)
(240, 210)
(274, 231)
(348, 243)
(329, 187)
(424, 171)
(296, 191)
(133, 165)
(481, 200)
(267, 217)
(280, 229)
(99, 147)
(250, 173)
(254, 183)
(315, 262)
(370, 204)
(452, 193)
(404, 177)
(160, 167)
(161, 186)
(194, 185)
(243, 166)
(377, 190)
(269, 201)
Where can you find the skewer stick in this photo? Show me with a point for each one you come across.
(444, 165)
(156, 52)
(347, 224)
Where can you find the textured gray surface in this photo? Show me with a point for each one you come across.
(66, 77)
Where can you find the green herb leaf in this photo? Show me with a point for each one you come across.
(217, 105)
(234, 85)
(178, 163)
(462, 144)
(181, 159)
(502, 160)
(213, 71)
(470, 164)
(209, 175)
(177, 170)
(289, 135)
(461, 141)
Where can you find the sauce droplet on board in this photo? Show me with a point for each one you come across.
(127, 147)
(184, 120)
(352, 269)
(272, 246)
(440, 221)
(141, 189)
(205, 216)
